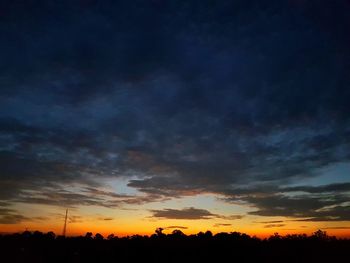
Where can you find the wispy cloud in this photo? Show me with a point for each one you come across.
(221, 224)
(273, 225)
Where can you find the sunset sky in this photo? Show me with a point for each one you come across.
(195, 115)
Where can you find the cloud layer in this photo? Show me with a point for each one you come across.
(240, 100)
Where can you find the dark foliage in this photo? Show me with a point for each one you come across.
(174, 247)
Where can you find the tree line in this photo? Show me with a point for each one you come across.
(173, 247)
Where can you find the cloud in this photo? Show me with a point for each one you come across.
(186, 213)
(329, 202)
(339, 187)
(189, 213)
(273, 225)
(12, 219)
(107, 218)
(230, 217)
(336, 227)
(221, 224)
(176, 227)
(176, 111)
(10, 216)
(271, 222)
(40, 218)
(75, 219)
(305, 207)
(58, 195)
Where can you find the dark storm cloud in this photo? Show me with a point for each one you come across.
(230, 98)
(190, 213)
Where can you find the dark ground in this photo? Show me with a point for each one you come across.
(175, 247)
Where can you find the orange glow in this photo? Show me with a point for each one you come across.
(139, 220)
(145, 227)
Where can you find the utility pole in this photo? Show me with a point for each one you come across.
(65, 224)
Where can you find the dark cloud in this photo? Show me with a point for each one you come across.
(305, 203)
(107, 218)
(58, 196)
(339, 187)
(336, 213)
(176, 227)
(186, 213)
(190, 213)
(12, 219)
(232, 98)
(10, 216)
(306, 207)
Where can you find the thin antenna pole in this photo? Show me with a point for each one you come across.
(65, 224)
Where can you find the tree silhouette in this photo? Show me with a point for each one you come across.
(159, 232)
(50, 235)
(88, 235)
(177, 233)
(110, 237)
(321, 235)
(175, 247)
(208, 234)
(98, 236)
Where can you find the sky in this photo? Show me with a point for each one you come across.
(196, 115)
